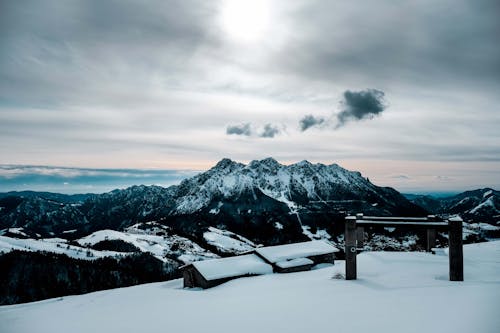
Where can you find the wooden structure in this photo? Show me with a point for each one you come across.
(210, 273)
(264, 260)
(354, 234)
(297, 257)
(294, 265)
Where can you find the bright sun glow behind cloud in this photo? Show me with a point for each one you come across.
(245, 20)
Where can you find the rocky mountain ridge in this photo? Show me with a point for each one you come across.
(251, 200)
(481, 205)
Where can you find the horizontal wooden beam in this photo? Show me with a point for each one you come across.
(389, 223)
(395, 218)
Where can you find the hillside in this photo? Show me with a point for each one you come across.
(481, 205)
(395, 292)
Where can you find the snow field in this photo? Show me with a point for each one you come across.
(396, 292)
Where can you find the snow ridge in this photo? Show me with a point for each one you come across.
(284, 183)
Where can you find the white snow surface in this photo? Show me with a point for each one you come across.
(395, 292)
(232, 266)
(54, 245)
(294, 262)
(159, 246)
(320, 233)
(227, 241)
(488, 203)
(17, 231)
(296, 250)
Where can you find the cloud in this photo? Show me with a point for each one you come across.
(401, 177)
(243, 129)
(443, 178)
(310, 121)
(270, 131)
(247, 129)
(357, 105)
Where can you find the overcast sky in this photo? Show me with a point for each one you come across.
(407, 92)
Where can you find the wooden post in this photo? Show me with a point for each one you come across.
(350, 248)
(456, 255)
(360, 235)
(431, 239)
(431, 234)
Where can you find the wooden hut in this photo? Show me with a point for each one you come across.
(297, 256)
(210, 273)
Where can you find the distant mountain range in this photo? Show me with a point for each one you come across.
(265, 201)
(480, 205)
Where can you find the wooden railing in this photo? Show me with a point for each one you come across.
(354, 238)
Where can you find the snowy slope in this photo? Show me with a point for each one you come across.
(395, 292)
(54, 245)
(227, 241)
(477, 206)
(160, 246)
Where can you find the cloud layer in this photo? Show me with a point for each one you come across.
(91, 83)
(83, 180)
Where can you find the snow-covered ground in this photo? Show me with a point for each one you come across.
(227, 241)
(54, 245)
(161, 247)
(396, 292)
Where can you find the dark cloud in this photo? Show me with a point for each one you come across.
(270, 131)
(243, 129)
(310, 121)
(357, 105)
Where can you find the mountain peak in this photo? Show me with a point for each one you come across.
(303, 163)
(270, 162)
(224, 163)
(266, 163)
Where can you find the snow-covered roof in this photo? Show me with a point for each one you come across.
(294, 263)
(278, 253)
(249, 264)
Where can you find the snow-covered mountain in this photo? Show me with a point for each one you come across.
(228, 210)
(478, 206)
(265, 201)
(294, 185)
